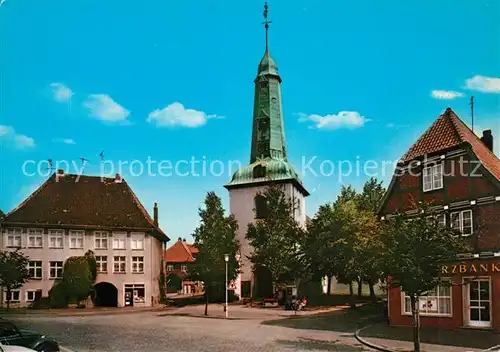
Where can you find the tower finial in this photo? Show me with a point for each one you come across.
(266, 25)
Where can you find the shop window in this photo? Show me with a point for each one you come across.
(436, 302)
(138, 292)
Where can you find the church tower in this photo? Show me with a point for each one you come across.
(268, 162)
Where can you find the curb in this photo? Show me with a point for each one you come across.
(82, 313)
(369, 344)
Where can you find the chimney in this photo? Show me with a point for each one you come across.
(155, 214)
(184, 240)
(59, 174)
(487, 139)
(118, 178)
(179, 239)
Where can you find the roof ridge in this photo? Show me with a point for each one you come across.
(408, 152)
(187, 249)
(478, 139)
(33, 194)
(141, 208)
(452, 116)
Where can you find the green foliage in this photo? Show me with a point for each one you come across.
(77, 278)
(415, 246)
(214, 237)
(277, 239)
(13, 271)
(90, 257)
(58, 295)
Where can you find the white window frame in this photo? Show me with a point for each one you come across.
(184, 268)
(121, 264)
(437, 297)
(432, 177)
(101, 237)
(56, 267)
(137, 241)
(461, 221)
(101, 261)
(26, 294)
(170, 267)
(35, 267)
(14, 233)
(35, 234)
(76, 235)
(119, 240)
(58, 235)
(136, 263)
(11, 293)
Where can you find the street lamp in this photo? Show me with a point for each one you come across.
(226, 259)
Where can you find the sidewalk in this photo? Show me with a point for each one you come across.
(241, 312)
(75, 312)
(400, 338)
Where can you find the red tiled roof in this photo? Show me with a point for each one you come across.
(180, 252)
(447, 132)
(79, 200)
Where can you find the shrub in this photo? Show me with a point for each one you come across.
(77, 278)
(57, 295)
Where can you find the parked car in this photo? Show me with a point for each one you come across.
(4, 348)
(11, 336)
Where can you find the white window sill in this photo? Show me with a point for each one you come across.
(436, 315)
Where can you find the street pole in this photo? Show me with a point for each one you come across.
(226, 259)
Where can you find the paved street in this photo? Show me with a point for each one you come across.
(159, 332)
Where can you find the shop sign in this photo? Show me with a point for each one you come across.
(471, 268)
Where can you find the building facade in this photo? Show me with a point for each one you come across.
(268, 163)
(178, 259)
(459, 175)
(71, 214)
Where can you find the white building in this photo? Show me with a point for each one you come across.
(268, 163)
(71, 214)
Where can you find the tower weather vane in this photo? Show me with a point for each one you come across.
(266, 22)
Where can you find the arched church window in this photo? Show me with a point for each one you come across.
(259, 171)
(260, 207)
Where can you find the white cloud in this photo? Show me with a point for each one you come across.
(61, 92)
(176, 114)
(483, 84)
(64, 140)
(344, 119)
(446, 94)
(9, 136)
(102, 107)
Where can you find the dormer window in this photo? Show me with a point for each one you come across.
(432, 177)
(259, 171)
(260, 207)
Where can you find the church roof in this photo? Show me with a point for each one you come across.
(84, 201)
(449, 131)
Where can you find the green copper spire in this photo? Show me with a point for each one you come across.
(268, 137)
(268, 157)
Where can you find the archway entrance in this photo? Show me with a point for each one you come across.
(174, 283)
(106, 295)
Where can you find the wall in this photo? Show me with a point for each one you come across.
(152, 254)
(242, 206)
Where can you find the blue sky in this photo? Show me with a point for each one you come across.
(173, 80)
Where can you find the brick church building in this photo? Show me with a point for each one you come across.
(459, 175)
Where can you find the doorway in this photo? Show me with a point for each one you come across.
(106, 295)
(479, 298)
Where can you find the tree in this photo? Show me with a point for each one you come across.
(13, 271)
(162, 282)
(277, 240)
(415, 246)
(368, 202)
(77, 278)
(215, 237)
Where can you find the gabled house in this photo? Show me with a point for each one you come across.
(457, 173)
(178, 259)
(71, 214)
